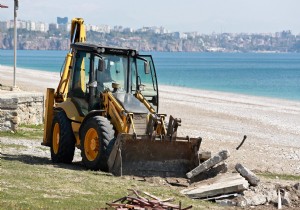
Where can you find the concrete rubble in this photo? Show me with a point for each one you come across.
(249, 175)
(221, 156)
(223, 184)
(211, 180)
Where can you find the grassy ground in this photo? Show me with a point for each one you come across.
(34, 182)
(280, 176)
(25, 131)
(31, 181)
(27, 184)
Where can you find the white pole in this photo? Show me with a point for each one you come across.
(279, 206)
(15, 40)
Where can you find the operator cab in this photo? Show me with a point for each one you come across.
(121, 71)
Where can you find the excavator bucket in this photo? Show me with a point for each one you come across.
(145, 156)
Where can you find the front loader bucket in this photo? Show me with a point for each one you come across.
(143, 156)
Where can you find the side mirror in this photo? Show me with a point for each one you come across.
(146, 67)
(101, 65)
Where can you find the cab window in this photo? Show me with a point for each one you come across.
(115, 71)
(147, 82)
(80, 75)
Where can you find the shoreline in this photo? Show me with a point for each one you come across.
(222, 119)
(5, 80)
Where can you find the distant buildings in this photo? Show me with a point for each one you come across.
(100, 28)
(62, 23)
(153, 38)
(22, 24)
(61, 20)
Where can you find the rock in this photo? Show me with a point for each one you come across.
(271, 196)
(226, 202)
(285, 200)
(297, 186)
(254, 198)
(249, 175)
(241, 201)
(21, 107)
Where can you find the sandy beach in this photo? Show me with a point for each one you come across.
(222, 119)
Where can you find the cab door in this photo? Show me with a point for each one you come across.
(80, 76)
(147, 81)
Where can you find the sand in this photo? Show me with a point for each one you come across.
(222, 119)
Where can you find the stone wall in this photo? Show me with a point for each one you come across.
(19, 107)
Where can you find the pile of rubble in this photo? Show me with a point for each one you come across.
(143, 200)
(212, 181)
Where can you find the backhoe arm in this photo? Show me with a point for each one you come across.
(78, 34)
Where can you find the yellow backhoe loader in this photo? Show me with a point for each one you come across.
(106, 104)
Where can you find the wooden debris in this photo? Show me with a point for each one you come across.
(241, 142)
(249, 175)
(223, 155)
(220, 185)
(137, 201)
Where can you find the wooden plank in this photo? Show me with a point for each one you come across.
(222, 184)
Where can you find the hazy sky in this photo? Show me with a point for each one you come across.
(205, 16)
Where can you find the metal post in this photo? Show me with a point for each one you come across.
(16, 5)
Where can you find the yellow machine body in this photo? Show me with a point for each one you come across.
(116, 127)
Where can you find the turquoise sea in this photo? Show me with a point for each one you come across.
(262, 74)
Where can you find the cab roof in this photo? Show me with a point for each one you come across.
(101, 49)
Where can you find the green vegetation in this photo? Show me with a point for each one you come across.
(29, 182)
(280, 176)
(25, 131)
(35, 127)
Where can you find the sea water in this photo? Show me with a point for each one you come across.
(262, 74)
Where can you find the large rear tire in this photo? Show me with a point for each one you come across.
(62, 139)
(96, 139)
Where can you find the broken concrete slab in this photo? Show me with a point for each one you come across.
(223, 155)
(222, 184)
(210, 173)
(297, 186)
(262, 194)
(249, 175)
(285, 199)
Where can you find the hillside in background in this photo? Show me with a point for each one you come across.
(283, 41)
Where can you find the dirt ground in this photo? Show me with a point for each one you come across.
(272, 126)
(33, 153)
(222, 119)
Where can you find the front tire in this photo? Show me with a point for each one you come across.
(97, 136)
(62, 139)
